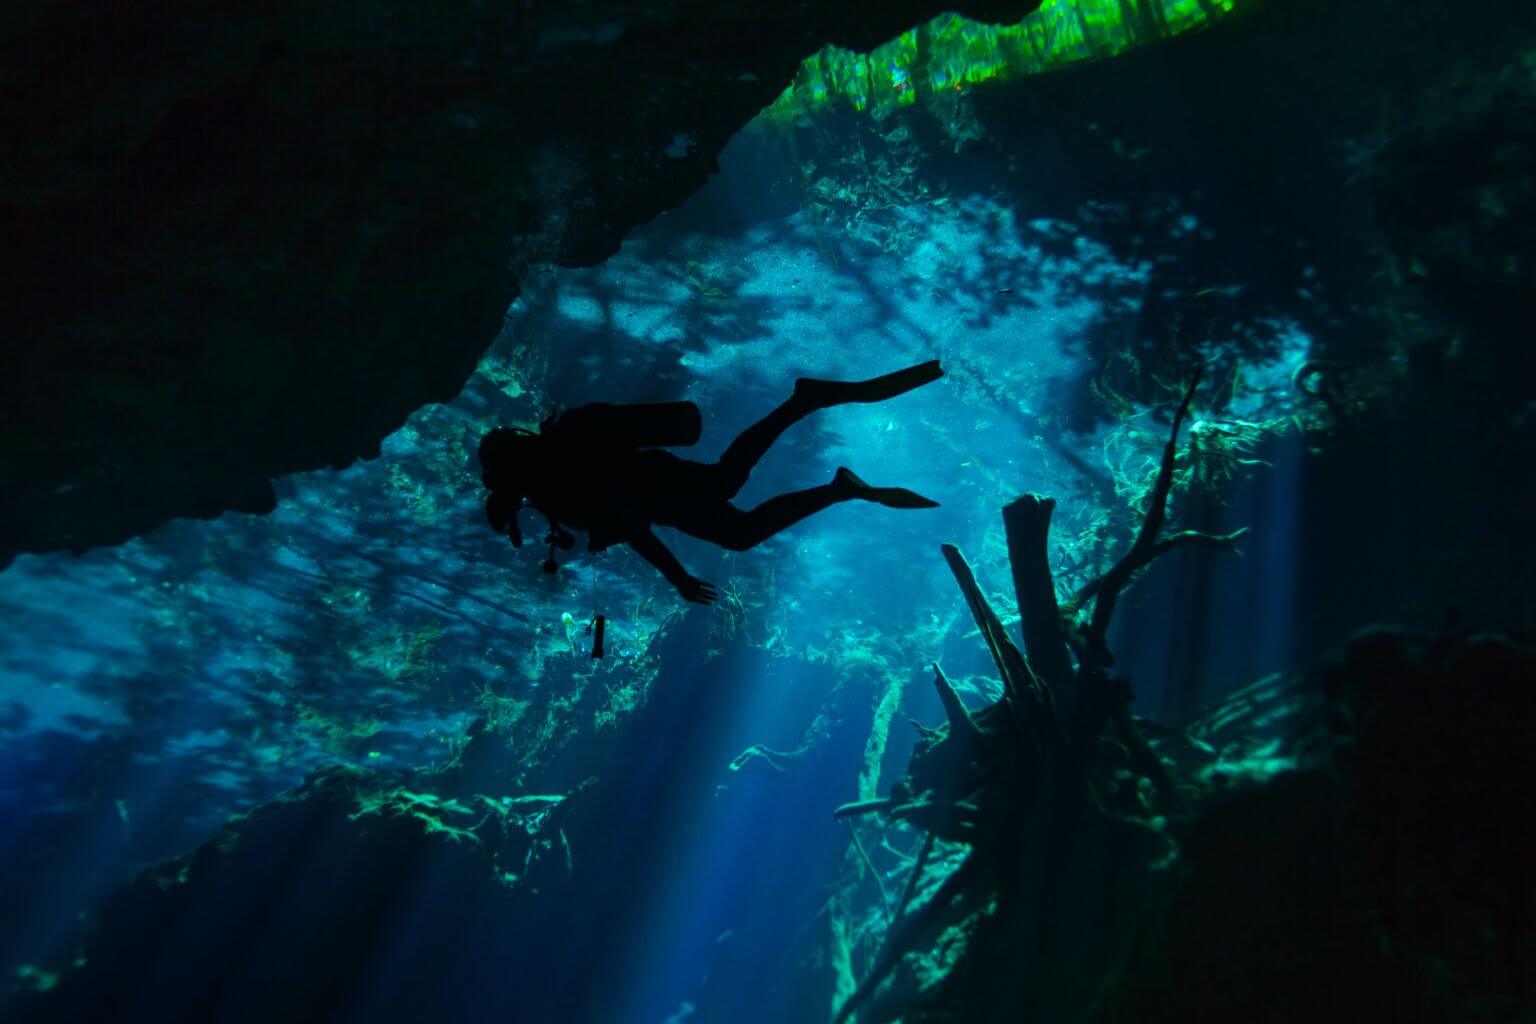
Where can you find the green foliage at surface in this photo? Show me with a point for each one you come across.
(954, 53)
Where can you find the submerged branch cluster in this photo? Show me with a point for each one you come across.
(1011, 784)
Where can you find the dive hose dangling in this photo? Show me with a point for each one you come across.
(599, 623)
(599, 627)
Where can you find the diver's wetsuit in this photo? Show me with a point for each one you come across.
(580, 475)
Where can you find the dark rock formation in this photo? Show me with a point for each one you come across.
(243, 240)
(1387, 878)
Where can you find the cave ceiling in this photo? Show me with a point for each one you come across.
(246, 240)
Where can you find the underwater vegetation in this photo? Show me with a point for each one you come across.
(955, 53)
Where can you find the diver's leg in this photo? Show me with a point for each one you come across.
(810, 395)
(735, 530)
(753, 443)
(823, 393)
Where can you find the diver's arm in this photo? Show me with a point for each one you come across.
(501, 512)
(646, 545)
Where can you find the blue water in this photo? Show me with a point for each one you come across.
(151, 690)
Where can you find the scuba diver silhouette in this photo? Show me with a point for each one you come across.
(601, 468)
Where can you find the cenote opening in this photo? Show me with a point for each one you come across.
(1146, 638)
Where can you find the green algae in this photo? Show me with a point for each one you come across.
(335, 734)
(953, 54)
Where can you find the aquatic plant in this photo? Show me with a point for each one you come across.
(865, 189)
(953, 54)
(338, 737)
(400, 655)
(1218, 449)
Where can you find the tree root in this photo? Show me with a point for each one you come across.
(1007, 779)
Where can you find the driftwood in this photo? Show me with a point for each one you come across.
(1007, 779)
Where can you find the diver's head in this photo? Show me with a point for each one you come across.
(508, 462)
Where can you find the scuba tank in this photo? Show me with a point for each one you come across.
(638, 425)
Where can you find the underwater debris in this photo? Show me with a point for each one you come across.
(1014, 783)
(1347, 809)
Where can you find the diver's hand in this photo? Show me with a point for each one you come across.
(645, 544)
(697, 591)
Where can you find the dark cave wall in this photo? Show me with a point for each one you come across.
(246, 240)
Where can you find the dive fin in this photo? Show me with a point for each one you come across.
(890, 497)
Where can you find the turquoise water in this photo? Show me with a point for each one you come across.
(159, 687)
(1266, 267)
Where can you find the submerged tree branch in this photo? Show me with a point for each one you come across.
(858, 807)
(1027, 524)
(913, 878)
(1030, 698)
(961, 724)
(1142, 549)
(1182, 539)
(910, 933)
